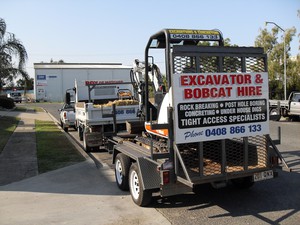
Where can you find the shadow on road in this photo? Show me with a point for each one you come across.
(271, 201)
(82, 179)
(292, 159)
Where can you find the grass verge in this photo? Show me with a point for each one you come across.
(25, 109)
(7, 127)
(54, 150)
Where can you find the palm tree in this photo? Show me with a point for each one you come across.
(13, 56)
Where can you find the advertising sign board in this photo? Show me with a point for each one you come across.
(220, 105)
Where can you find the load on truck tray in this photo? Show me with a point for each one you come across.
(102, 113)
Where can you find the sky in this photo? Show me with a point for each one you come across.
(98, 31)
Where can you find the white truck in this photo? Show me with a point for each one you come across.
(287, 108)
(102, 107)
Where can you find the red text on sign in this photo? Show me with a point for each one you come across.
(200, 80)
(249, 91)
(207, 92)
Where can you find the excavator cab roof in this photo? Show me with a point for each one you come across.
(169, 39)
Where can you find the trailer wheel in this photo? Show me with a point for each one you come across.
(139, 196)
(122, 167)
(85, 146)
(243, 183)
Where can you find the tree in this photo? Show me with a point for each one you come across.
(295, 68)
(274, 47)
(13, 56)
(25, 84)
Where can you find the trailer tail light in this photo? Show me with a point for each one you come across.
(164, 170)
(166, 176)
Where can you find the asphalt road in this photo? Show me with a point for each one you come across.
(275, 201)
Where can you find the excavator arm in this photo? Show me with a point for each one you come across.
(137, 76)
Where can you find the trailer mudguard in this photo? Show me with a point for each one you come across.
(149, 173)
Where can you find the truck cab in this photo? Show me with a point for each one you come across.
(289, 108)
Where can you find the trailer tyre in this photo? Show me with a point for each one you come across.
(85, 146)
(139, 196)
(122, 166)
(80, 133)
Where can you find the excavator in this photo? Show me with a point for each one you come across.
(137, 76)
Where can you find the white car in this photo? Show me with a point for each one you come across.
(16, 96)
(67, 116)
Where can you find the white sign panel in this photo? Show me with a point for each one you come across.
(41, 83)
(194, 34)
(220, 105)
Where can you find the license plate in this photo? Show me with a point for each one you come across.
(263, 175)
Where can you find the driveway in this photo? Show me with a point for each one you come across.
(78, 194)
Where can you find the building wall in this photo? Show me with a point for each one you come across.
(55, 82)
